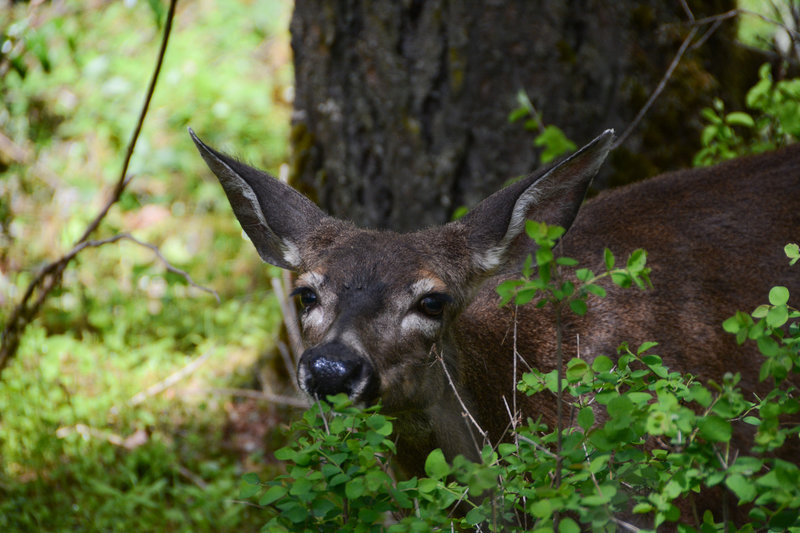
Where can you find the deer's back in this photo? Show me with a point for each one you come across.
(714, 238)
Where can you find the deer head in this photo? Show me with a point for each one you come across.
(375, 303)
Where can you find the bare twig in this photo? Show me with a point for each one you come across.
(50, 276)
(536, 445)
(191, 476)
(624, 525)
(466, 412)
(134, 440)
(661, 85)
(169, 265)
(290, 401)
(715, 21)
(291, 356)
(322, 416)
(289, 363)
(170, 380)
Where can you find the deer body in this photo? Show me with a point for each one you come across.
(413, 319)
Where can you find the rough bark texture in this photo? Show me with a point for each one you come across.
(401, 107)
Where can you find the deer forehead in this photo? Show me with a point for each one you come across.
(398, 260)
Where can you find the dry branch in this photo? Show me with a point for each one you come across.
(49, 277)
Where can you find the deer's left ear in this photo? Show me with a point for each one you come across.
(495, 227)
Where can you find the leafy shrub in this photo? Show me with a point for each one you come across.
(775, 121)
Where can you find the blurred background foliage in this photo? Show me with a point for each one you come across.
(75, 451)
(86, 443)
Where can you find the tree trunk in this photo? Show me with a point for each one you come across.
(401, 107)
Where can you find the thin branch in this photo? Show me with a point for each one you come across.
(191, 476)
(661, 85)
(50, 276)
(300, 403)
(466, 412)
(169, 265)
(122, 181)
(288, 362)
(290, 354)
(170, 380)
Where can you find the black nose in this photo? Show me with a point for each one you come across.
(334, 368)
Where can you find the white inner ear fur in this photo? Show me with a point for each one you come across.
(494, 257)
(291, 254)
(238, 182)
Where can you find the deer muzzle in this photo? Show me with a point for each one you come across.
(333, 368)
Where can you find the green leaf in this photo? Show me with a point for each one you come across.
(597, 290)
(792, 251)
(586, 418)
(637, 260)
(566, 261)
(576, 369)
(646, 346)
(714, 428)
(744, 489)
(760, 311)
(602, 363)
(739, 118)
(475, 516)
(778, 316)
(459, 212)
(555, 143)
(578, 306)
(247, 490)
(619, 406)
(285, 454)
(321, 507)
(273, 494)
(540, 508)
(435, 465)
(554, 232)
(767, 346)
(778, 295)
(517, 114)
(608, 258)
(527, 266)
(355, 488)
(701, 395)
(543, 255)
(568, 525)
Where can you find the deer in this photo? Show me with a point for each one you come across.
(412, 319)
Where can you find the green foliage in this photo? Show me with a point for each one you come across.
(775, 121)
(339, 478)
(77, 452)
(550, 287)
(645, 439)
(551, 139)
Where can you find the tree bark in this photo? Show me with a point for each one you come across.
(401, 107)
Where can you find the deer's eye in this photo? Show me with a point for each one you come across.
(433, 304)
(308, 298)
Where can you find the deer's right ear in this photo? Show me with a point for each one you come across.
(276, 217)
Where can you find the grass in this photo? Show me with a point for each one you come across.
(86, 443)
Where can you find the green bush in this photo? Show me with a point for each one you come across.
(774, 122)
